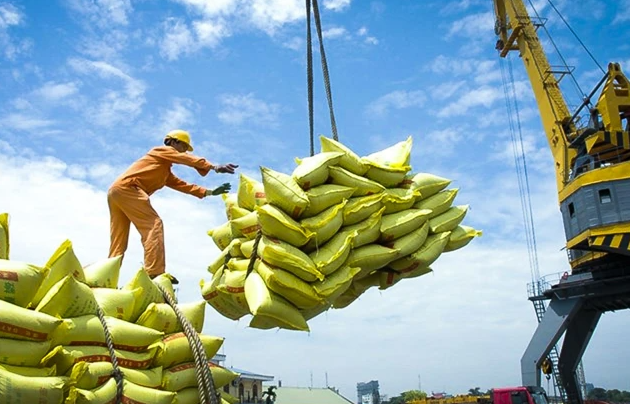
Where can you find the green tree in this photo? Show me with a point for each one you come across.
(413, 395)
(597, 394)
(474, 391)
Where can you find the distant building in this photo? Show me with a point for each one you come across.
(306, 395)
(368, 393)
(248, 386)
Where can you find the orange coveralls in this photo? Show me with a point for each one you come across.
(128, 200)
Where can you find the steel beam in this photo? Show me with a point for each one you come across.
(553, 324)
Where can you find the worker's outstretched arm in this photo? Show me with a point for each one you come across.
(171, 155)
(182, 186)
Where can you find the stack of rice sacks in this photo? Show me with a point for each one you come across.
(337, 226)
(52, 344)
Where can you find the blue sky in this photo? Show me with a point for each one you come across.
(88, 86)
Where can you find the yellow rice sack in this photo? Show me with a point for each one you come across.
(411, 242)
(16, 389)
(132, 393)
(460, 237)
(284, 192)
(89, 375)
(247, 248)
(285, 256)
(289, 286)
(229, 200)
(62, 263)
(438, 203)
(64, 357)
(313, 171)
(251, 193)
(448, 220)
(246, 226)
(161, 316)
(396, 225)
(235, 212)
(269, 309)
(349, 160)
(387, 176)
(221, 235)
(399, 199)
(183, 376)
(23, 324)
(336, 284)
(103, 274)
(396, 156)
(117, 303)
(360, 208)
(221, 301)
(4, 236)
(368, 231)
(315, 311)
(175, 349)
(20, 281)
(233, 249)
(325, 196)
(370, 258)
(22, 353)
(275, 223)
(238, 264)
(68, 298)
(88, 330)
(324, 225)
(356, 289)
(29, 371)
(427, 184)
(363, 186)
(234, 286)
(329, 257)
(390, 278)
(151, 293)
(425, 255)
(227, 398)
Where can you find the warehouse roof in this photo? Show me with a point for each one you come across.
(305, 395)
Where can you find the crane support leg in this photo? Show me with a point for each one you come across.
(553, 324)
(576, 339)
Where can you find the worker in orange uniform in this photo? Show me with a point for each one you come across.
(128, 197)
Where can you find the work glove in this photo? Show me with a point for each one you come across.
(226, 168)
(223, 189)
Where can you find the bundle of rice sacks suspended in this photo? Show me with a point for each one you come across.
(296, 245)
(53, 347)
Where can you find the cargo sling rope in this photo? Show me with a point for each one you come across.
(309, 72)
(207, 390)
(116, 373)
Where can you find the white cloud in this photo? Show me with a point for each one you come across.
(368, 39)
(295, 43)
(103, 13)
(240, 108)
(269, 15)
(334, 32)
(181, 114)
(337, 5)
(180, 39)
(396, 100)
(445, 90)
(115, 105)
(11, 47)
(474, 26)
(623, 12)
(211, 7)
(52, 91)
(18, 121)
(481, 96)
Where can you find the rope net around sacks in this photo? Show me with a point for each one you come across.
(296, 245)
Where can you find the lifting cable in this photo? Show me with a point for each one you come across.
(116, 373)
(205, 382)
(520, 163)
(309, 72)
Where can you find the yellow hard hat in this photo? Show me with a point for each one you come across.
(180, 135)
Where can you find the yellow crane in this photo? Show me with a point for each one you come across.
(591, 161)
(591, 154)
